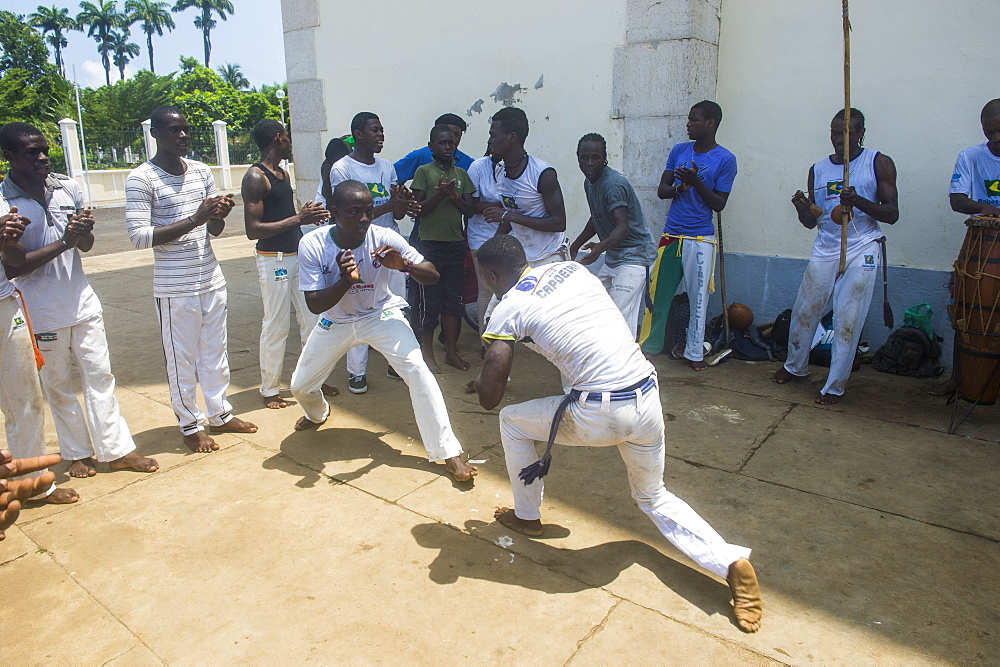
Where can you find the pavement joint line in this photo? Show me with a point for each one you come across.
(768, 432)
(594, 631)
(15, 558)
(970, 533)
(51, 556)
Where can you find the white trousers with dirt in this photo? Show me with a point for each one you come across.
(626, 285)
(597, 424)
(852, 295)
(20, 391)
(279, 288)
(195, 347)
(389, 333)
(98, 429)
(357, 356)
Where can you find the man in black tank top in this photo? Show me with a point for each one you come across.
(269, 213)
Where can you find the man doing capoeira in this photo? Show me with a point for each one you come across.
(172, 207)
(66, 314)
(345, 270)
(872, 194)
(564, 313)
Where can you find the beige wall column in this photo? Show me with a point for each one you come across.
(669, 61)
(306, 103)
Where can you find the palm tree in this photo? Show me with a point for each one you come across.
(53, 20)
(233, 75)
(204, 21)
(122, 51)
(154, 18)
(100, 21)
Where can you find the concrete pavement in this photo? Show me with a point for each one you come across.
(875, 534)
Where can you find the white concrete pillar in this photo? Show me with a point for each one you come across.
(71, 148)
(222, 151)
(147, 138)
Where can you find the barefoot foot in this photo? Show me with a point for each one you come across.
(827, 399)
(82, 468)
(274, 402)
(506, 516)
(200, 442)
(452, 359)
(133, 461)
(699, 365)
(329, 390)
(747, 605)
(61, 496)
(235, 425)
(782, 376)
(459, 469)
(946, 388)
(432, 364)
(304, 424)
(470, 387)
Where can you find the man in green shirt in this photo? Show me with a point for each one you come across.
(444, 192)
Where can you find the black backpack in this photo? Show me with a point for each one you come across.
(677, 322)
(908, 351)
(780, 329)
(748, 345)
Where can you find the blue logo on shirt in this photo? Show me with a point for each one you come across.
(527, 284)
(325, 323)
(956, 176)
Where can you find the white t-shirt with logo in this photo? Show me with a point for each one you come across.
(378, 177)
(481, 173)
(521, 195)
(6, 289)
(863, 228)
(563, 312)
(977, 174)
(57, 293)
(318, 269)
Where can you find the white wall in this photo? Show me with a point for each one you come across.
(409, 62)
(921, 72)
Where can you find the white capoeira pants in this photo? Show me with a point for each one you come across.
(698, 262)
(279, 288)
(852, 295)
(357, 356)
(626, 285)
(99, 429)
(591, 424)
(195, 349)
(20, 391)
(389, 333)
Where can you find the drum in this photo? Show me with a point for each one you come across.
(975, 314)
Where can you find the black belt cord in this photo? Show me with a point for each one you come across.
(886, 308)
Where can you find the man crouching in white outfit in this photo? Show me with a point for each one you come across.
(344, 270)
(563, 312)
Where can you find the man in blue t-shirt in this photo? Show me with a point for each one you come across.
(698, 177)
(407, 166)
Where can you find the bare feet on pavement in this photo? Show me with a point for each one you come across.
(82, 468)
(329, 390)
(274, 402)
(304, 424)
(456, 361)
(133, 461)
(470, 387)
(782, 376)
(747, 605)
(432, 363)
(827, 399)
(235, 425)
(459, 469)
(946, 388)
(61, 496)
(199, 442)
(506, 516)
(699, 365)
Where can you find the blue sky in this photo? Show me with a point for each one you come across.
(241, 39)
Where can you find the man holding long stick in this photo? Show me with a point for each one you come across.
(874, 195)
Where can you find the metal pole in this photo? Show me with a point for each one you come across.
(83, 140)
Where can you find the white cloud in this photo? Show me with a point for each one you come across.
(91, 73)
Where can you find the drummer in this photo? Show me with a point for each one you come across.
(872, 195)
(975, 190)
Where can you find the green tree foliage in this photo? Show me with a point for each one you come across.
(100, 21)
(126, 103)
(123, 51)
(233, 75)
(31, 89)
(56, 21)
(205, 97)
(153, 17)
(204, 20)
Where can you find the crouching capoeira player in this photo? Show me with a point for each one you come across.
(20, 391)
(67, 316)
(564, 313)
(623, 237)
(872, 193)
(172, 207)
(345, 270)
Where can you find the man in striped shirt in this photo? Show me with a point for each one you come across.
(171, 206)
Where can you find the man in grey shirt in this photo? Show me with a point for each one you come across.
(616, 218)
